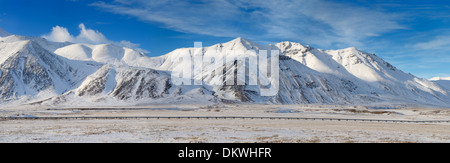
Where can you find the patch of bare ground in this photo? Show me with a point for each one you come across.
(361, 111)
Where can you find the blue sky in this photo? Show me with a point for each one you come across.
(413, 35)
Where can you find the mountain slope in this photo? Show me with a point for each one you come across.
(125, 82)
(3, 33)
(27, 69)
(373, 76)
(52, 73)
(105, 53)
(82, 73)
(444, 82)
(309, 75)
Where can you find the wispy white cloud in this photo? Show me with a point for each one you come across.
(318, 22)
(88, 36)
(204, 17)
(392, 29)
(441, 42)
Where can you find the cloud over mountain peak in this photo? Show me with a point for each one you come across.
(86, 36)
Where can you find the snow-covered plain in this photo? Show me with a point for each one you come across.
(225, 130)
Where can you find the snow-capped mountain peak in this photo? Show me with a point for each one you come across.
(309, 75)
(443, 82)
(241, 44)
(108, 72)
(287, 46)
(3, 33)
(440, 78)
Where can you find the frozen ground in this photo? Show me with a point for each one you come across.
(225, 130)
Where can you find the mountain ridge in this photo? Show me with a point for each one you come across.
(350, 67)
(108, 74)
(3, 33)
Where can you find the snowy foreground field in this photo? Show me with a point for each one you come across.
(322, 124)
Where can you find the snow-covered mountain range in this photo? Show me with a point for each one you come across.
(36, 71)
